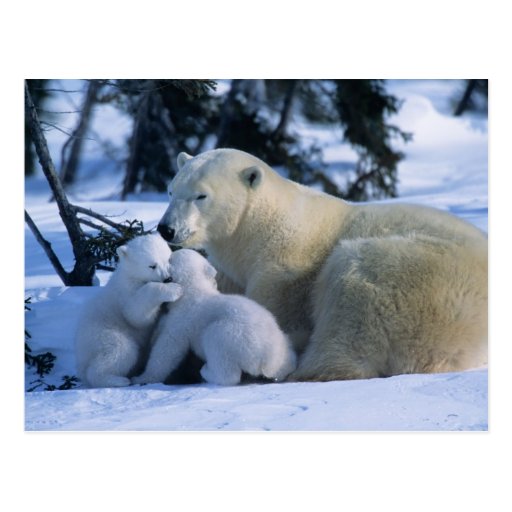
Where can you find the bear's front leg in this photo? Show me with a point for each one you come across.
(289, 308)
(167, 353)
(143, 308)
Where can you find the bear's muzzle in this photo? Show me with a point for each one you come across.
(166, 232)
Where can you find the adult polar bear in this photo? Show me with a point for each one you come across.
(363, 290)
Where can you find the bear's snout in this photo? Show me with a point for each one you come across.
(166, 232)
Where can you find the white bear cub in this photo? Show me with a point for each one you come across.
(233, 334)
(116, 326)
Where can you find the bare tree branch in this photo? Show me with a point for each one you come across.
(47, 247)
(55, 90)
(44, 111)
(65, 208)
(86, 222)
(94, 215)
(58, 128)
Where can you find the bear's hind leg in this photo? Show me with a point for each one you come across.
(110, 368)
(350, 340)
(222, 366)
(320, 366)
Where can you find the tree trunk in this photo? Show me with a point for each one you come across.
(228, 111)
(286, 111)
(76, 141)
(466, 97)
(131, 177)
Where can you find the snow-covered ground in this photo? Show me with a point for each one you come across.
(452, 401)
(445, 166)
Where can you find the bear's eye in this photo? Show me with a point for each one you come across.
(201, 197)
(152, 267)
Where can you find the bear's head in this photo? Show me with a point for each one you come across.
(209, 195)
(191, 270)
(146, 258)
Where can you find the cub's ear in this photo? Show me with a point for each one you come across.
(252, 176)
(182, 158)
(122, 251)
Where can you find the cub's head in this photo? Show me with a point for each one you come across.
(146, 258)
(190, 269)
(209, 195)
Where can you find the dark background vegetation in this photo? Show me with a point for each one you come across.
(170, 116)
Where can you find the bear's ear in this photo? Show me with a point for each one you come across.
(182, 158)
(252, 176)
(122, 251)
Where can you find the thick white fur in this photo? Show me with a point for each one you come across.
(231, 333)
(363, 290)
(116, 326)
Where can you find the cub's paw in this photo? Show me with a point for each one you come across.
(143, 379)
(116, 381)
(173, 292)
(220, 379)
(206, 374)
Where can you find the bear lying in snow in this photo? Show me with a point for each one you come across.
(116, 326)
(363, 290)
(231, 333)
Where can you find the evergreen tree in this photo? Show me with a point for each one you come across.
(363, 106)
(257, 122)
(170, 116)
(256, 116)
(360, 106)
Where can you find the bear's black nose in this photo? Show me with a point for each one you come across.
(166, 232)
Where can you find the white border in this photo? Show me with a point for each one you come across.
(225, 39)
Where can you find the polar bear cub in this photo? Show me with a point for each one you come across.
(116, 326)
(233, 334)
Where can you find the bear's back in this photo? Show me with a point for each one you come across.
(384, 220)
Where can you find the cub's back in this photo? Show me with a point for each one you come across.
(239, 308)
